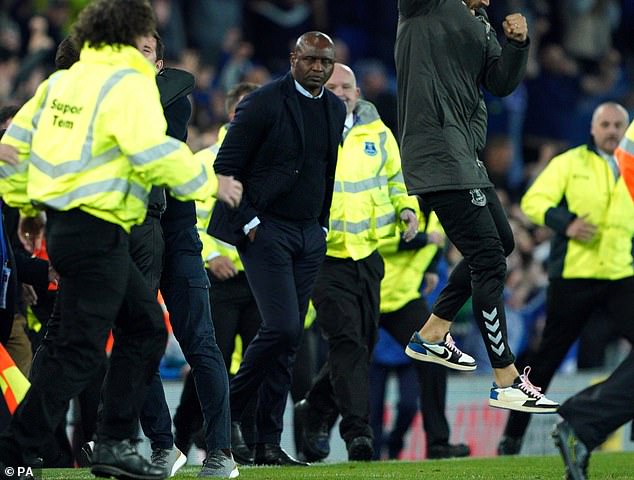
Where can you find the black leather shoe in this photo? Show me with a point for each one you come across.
(313, 432)
(360, 449)
(509, 445)
(448, 451)
(119, 459)
(242, 454)
(573, 451)
(272, 454)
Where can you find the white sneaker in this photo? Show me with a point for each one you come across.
(171, 459)
(522, 396)
(444, 353)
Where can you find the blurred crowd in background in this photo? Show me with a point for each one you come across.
(582, 54)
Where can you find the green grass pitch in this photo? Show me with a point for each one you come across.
(604, 466)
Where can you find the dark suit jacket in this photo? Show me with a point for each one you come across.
(264, 149)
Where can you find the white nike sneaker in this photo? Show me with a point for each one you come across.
(444, 353)
(522, 396)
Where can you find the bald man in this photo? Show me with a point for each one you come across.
(583, 198)
(282, 144)
(370, 204)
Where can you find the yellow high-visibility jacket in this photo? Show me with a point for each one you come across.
(369, 192)
(93, 137)
(212, 247)
(404, 269)
(625, 156)
(579, 183)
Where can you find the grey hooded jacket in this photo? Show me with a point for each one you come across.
(444, 54)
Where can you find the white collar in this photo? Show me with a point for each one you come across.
(305, 92)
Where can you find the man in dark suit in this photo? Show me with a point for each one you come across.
(282, 144)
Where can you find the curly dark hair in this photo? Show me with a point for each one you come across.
(114, 22)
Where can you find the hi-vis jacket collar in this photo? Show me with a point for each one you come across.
(124, 55)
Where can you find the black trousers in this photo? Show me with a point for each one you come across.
(346, 297)
(597, 411)
(432, 378)
(234, 312)
(281, 266)
(570, 304)
(475, 222)
(102, 288)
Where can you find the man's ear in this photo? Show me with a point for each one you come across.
(159, 65)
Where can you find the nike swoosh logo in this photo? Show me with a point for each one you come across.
(444, 354)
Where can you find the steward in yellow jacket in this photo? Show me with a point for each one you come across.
(87, 154)
(92, 142)
(581, 184)
(582, 197)
(368, 204)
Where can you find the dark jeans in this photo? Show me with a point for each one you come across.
(235, 312)
(281, 265)
(102, 288)
(569, 305)
(346, 297)
(431, 378)
(600, 409)
(184, 286)
(476, 224)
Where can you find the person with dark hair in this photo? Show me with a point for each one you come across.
(446, 50)
(232, 303)
(94, 139)
(282, 143)
(67, 53)
(184, 286)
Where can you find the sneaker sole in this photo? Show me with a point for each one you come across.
(107, 471)
(440, 361)
(178, 464)
(572, 473)
(521, 408)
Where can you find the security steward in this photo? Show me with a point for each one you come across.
(92, 142)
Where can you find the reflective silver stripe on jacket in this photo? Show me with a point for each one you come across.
(361, 185)
(193, 185)
(104, 186)
(363, 225)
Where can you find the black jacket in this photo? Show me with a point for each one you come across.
(444, 54)
(174, 85)
(264, 149)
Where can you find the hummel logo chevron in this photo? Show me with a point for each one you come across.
(492, 327)
(499, 349)
(495, 339)
(491, 315)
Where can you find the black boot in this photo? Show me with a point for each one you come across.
(242, 454)
(272, 454)
(119, 458)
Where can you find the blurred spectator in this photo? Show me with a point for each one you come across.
(272, 27)
(374, 83)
